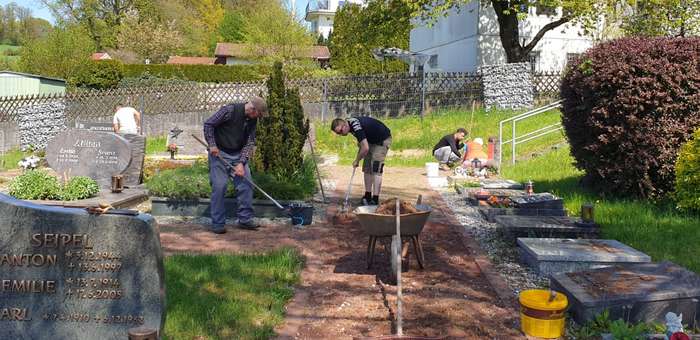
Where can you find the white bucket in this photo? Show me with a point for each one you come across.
(432, 169)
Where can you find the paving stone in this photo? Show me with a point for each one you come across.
(512, 227)
(559, 255)
(637, 293)
(66, 274)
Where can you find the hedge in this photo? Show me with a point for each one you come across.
(628, 106)
(200, 73)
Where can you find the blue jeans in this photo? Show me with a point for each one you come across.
(219, 177)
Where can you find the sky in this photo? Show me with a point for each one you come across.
(40, 11)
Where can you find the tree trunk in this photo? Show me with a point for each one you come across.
(508, 31)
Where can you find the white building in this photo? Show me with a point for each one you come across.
(469, 37)
(320, 14)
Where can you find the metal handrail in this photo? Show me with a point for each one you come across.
(515, 140)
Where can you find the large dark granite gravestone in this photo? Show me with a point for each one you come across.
(641, 292)
(65, 274)
(134, 173)
(98, 155)
(95, 126)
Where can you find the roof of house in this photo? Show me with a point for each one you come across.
(101, 56)
(32, 75)
(248, 50)
(174, 59)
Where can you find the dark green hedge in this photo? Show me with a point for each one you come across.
(200, 73)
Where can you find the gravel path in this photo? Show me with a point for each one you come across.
(503, 255)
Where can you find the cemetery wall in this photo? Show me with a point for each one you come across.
(39, 123)
(507, 86)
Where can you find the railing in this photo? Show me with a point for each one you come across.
(515, 139)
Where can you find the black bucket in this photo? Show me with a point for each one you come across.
(302, 213)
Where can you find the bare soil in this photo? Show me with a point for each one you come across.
(338, 297)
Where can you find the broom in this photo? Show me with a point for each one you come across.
(345, 216)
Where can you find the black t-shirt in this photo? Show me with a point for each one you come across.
(369, 128)
(449, 140)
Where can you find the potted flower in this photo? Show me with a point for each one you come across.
(172, 148)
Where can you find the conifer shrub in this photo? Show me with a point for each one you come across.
(628, 106)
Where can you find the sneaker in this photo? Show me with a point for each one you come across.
(248, 225)
(219, 231)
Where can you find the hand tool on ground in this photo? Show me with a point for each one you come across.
(318, 173)
(230, 173)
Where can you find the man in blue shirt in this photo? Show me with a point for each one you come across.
(230, 133)
(373, 140)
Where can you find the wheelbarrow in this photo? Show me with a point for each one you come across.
(378, 226)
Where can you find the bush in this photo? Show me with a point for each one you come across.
(687, 193)
(200, 73)
(35, 185)
(78, 188)
(628, 105)
(99, 75)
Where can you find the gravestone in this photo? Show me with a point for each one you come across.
(134, 172)
(98, 155)
(636, 293)
(542, 200)
(65, 274)
(561, 255)
(95, 126)
(512, 227)
(489, 183)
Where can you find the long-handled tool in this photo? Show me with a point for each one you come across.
(347, 193)
(230, 173)
(318, 173)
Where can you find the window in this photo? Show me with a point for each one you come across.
(314, 26)
(571, 57)
(534, 59)
(433, 61)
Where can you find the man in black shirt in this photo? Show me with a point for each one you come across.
(373, 140)
(446, 151)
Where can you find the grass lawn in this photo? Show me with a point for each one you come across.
(156, 144)
(410, 133)
(226, 296)
(9, 159)
(658, 230)
(5, 49)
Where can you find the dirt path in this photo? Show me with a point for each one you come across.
(339, 298)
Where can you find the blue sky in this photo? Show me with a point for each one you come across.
(40, 11)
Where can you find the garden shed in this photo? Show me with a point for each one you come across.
(17, 84)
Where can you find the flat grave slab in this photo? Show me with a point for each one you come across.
(512, 227)
(637, 293)
(128, 198)
(494, 183)
(67, 274)
(561, 255)
(491, 213)
(542, 200)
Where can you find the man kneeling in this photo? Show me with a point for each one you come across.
(446, 151)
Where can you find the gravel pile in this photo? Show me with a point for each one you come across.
(504, 255)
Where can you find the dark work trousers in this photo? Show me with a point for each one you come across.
(219, 177)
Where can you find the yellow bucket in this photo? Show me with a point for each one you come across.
(541, 317)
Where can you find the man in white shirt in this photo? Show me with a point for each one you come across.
(126, 120)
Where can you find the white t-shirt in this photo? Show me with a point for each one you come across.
(126, 119)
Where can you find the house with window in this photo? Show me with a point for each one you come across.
(320, 14)
(468, 37)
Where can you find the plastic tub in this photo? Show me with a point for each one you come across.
(540, 316)
(302, 213)
(432, 169)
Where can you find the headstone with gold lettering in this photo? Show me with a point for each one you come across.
(98, 155)
(66, 274)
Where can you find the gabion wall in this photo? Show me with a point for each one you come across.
(507, 86)
(39, 123)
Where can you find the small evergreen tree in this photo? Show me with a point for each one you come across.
(282, 134)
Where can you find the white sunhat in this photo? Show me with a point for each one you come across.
(478, 140)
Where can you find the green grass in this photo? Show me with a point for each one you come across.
(229, 297)
(656, 229)
(410, 133)
(9, 58)
(9, 159)
(156, 145)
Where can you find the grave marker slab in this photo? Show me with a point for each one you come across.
(490, 183)
(98, 155)
(65, 274)
(638, 293)
(513, 227)
(542, 200)
(95, 126)
(561, 255)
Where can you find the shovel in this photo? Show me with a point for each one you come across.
(347, 193)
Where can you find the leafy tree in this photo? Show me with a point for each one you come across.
(664, 18)
(510, 12)
(150, 40)
(358, 30)
(272, 28)
(231, 28)
(17, 25)
(58, 54)
(281, 135)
